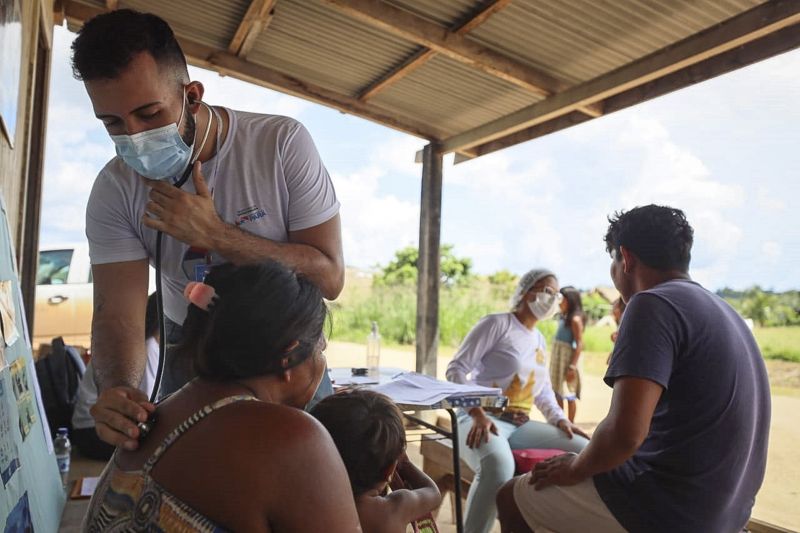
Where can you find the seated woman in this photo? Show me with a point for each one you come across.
(232, 449)
(506, 350)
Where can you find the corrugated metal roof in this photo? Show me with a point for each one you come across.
(454, 96)
(581, 39)
(320, 45)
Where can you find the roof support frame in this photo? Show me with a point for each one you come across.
(454, 45)
(422, 56)
(733, 33)
(769, 46)
(258, 16)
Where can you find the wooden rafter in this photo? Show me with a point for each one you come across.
(258, 16)
(423, 55)
(421, 31)
(228, 64)
(452, 44)
(733, 33)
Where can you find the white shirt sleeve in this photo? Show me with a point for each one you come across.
(312, 198)
(110, 226)
(546, 402)
(478, 341)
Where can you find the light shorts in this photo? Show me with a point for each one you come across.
(557, 509)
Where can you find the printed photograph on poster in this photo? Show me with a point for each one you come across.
(19, 519)
(19, 378)
(8, 313)
(10, 66)
(9, 455)
(24, 396)
(27, 414)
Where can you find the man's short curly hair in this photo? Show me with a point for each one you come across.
(107, 43)
(659, 236)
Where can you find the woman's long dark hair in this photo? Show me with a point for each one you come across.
(259, 312)
(574, 306)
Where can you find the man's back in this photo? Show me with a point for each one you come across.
(704, 458)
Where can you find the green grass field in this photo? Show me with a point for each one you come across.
(779, 343)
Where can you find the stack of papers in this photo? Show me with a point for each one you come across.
(411, 388)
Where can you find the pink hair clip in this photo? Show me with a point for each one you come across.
(200, 294)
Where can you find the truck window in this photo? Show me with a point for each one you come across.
(53, 267)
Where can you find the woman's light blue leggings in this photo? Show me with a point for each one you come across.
(493, 462)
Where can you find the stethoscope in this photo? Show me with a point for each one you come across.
(145, 427)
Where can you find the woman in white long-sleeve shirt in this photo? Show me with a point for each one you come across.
(506, 350)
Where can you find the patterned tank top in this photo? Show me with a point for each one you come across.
(134, 501)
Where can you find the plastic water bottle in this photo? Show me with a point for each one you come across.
(63, 449)
(373, 351)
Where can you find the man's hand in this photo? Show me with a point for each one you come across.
(482, 425)
(570, 429)
(116, 414)
(555, 471)
(190, 218)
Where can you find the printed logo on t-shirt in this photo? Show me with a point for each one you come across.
(249, 214)
(539, 356)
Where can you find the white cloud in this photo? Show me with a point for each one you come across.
(769, 202)
(772, 251)
(374, 226)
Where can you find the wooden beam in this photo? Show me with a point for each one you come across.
(769, 46)
(258, 16)
(112, 5)
(228, 64)
(428, 263)
(422, 56)
(751, 25)
(416, 29)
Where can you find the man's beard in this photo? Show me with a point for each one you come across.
(189, 129)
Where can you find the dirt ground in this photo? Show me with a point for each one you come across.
(779, 499)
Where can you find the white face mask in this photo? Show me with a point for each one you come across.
(544, 306)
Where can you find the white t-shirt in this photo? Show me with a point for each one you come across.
(267, 178)
(87, 391)
(499, 351)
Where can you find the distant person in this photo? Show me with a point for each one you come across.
(368, 431)
(617, 310)
(684, 445)
(83, 433)
(233, 450)
(567, 347)
(506, 350)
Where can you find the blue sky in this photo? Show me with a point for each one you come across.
(726, 151)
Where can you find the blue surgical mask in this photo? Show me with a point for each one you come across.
(158, 154)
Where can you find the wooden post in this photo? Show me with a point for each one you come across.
(430, 223)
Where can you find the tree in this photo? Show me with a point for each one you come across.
(402, 270)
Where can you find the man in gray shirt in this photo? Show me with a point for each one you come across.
(684, 446)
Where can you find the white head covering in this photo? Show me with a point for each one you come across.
(526, 282)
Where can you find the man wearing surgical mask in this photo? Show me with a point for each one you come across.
(506, 350)
(255, 189)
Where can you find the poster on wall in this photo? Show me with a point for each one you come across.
(9, 454)
(25, 400)
(10, 65)
(19, 520)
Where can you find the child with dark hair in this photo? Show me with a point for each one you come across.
(233, 449)
(368, 431)
(567, 347)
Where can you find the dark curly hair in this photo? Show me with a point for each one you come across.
(368, 431)
(106, 44)
(660, 236)
(259, 312)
